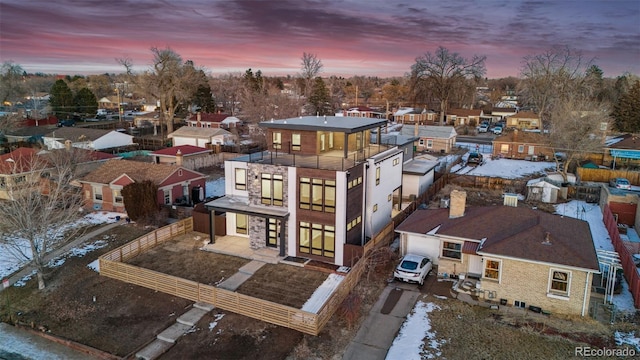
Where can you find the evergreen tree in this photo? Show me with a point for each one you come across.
(626, 112)
(85, 102)
(140, 200)
(319, 98)
(204, 98)
(61, 100)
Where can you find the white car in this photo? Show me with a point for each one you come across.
(413, 268)
(483, 128)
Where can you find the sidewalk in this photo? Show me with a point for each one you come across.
(62, 250)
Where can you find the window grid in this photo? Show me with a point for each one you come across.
(452, 250)
(241, 179)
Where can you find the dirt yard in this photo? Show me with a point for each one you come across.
(118, 318)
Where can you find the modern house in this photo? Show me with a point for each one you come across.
(432, 138)
(534, 259)
(200, 137)
(93, 139)
(321, 191)
(209, 120)
(522, 145)
(102, 187)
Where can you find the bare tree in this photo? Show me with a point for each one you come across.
(311, 67)
(171, 81)
(443, 71)
(578, 129)
(551, 78)
(43, 206)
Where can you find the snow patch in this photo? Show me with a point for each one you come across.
(322, 293)
(416, 329)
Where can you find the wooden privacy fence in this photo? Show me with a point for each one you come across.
(630, 270)
(112, 265)
(603, 175)
(488, 182)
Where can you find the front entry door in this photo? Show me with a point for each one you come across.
(273, 232)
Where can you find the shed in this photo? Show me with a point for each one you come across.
(542, 190)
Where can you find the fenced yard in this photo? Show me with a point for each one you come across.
(113, 265)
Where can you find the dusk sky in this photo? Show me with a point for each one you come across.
(350, 37)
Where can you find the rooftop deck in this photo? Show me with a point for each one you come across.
(330, 160)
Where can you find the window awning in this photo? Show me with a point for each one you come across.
(240, 205)
(626, 154)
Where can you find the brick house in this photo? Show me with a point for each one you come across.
(317, 193)
(209, 120)
(102, 187)
(524, 120)
(364, 111)
(533, 259)
(413, 116)
(458, 117)
(25, 168)
(522, 145)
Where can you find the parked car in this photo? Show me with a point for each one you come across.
(483, 128)
(413, 268)
(620, 183)
(67, 122)
(475, 158)
(497, 130)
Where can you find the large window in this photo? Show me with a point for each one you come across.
(305, 193)
(559, 282)
(492, 269)
(272, 189)
(241, 223)
(277, 140)
(295, 142)
(318, 194)
(452, 250)
(317, 239)
(167, 197)
(97, 193)
(429, 143)
(241, 179)
(520, 148)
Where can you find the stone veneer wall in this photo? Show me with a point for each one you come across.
(257, 225)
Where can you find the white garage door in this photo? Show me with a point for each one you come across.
(425, 247)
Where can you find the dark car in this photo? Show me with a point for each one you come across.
(475, 158)
(67, 122)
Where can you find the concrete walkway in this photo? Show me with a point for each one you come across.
(60, 251)
(377, 332)
(20, 344)
(166, 339)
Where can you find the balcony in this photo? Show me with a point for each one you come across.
(330, 160)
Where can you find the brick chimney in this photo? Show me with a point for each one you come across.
(458, 200)
(198, 119)
(179, 158)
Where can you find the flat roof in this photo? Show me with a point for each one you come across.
(241, 205)
(343, 124)
(418, 167)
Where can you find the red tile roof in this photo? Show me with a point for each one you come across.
(184, 149)
(513, 232)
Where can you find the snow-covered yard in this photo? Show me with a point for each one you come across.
(9, 263)
(416, 328)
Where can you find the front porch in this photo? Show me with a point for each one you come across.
(239, 246)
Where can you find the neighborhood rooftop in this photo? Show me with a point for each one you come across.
(138, 171)
(343, 124)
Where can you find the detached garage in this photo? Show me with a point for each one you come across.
(200, 137)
